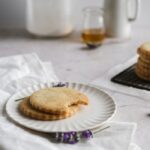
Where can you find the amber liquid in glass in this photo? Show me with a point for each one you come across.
(93, 37)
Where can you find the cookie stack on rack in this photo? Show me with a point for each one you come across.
(143, 64)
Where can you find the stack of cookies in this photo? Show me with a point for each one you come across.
(52, 103)
(143, 64)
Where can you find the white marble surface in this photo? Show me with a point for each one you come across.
(73, 62)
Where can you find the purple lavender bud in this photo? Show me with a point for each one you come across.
(66, 137)
(87, 134)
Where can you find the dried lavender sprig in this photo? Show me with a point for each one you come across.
(75, 137)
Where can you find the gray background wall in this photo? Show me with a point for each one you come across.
(12, 12)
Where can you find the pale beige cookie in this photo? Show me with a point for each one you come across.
(143, 70)
(144, 60)
(144, 50)
(142, 74)
(27, 110)
(57, 100)
(143, 64)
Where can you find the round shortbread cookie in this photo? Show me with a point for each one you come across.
(143, 64)
(143, 70)
(144, 60)
(27, 110)
(144, 50)
(57, 100)
(141, 75)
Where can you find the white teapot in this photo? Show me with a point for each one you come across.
(49, 18)
(116, 17)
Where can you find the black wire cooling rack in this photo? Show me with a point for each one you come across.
(128, 77)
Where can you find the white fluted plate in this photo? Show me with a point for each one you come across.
(100, 109)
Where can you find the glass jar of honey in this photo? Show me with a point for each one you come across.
(93, 32)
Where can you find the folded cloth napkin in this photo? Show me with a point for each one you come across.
(17, 72)
(105, 81)
(21, 71)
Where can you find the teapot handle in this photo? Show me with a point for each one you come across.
(137, 7)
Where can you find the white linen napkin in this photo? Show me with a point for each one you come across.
(17, 72)
(105, 81)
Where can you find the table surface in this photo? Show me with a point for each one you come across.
(72, 61)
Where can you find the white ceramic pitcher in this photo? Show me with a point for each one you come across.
(49, 18)
(117, 19)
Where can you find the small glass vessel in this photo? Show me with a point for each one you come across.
(93, 33)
